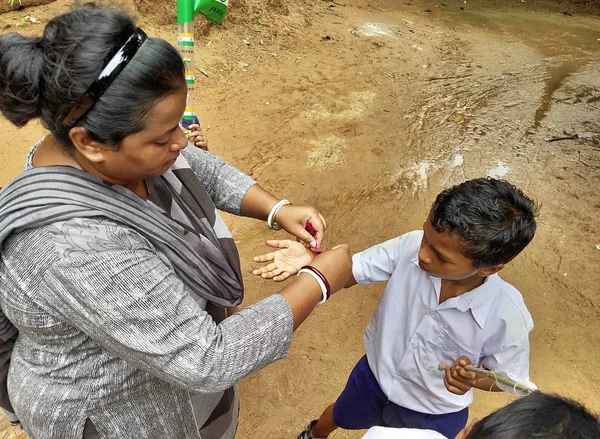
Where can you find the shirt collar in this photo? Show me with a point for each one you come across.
(479, 300)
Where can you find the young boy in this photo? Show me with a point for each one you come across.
(443, 303)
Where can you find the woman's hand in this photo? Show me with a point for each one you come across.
(294, 219)
(335, 265)
(303, 294)
(197, 137)
(285, 262)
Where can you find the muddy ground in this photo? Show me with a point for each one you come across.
(367, 110)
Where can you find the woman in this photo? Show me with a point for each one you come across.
(116, 269)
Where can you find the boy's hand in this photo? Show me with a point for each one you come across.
(457, 380)
(285, 262)
(197, 137)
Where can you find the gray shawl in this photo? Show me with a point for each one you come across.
(204, 256)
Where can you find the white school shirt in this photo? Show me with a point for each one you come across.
(410, 333)
(401, 433)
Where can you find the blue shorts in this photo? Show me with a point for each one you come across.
(363, 405)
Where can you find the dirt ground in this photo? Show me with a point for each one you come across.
(367, 110)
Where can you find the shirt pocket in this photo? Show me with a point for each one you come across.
(446, 350)
(458, 348)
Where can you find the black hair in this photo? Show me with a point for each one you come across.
(493, 220)
(539, 415)
(45, 77)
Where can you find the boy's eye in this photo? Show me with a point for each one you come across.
(163, 143)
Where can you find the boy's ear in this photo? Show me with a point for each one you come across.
(488, 271)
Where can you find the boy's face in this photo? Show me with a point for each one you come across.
(440, 256)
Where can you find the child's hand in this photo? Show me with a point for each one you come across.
(457, 380)
(197, 137)
(285, 262)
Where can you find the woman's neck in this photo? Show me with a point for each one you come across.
(52, 153)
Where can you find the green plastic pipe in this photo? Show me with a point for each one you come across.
(212, 10)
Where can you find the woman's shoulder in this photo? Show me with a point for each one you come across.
(64, 239)
(79, 236)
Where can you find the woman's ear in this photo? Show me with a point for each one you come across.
(91, 149)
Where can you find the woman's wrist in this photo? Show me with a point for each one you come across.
(273, 214)
(258, 203)
(320, 279)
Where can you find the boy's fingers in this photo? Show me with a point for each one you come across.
(268, 275)
(454, 380)
(463, 361)
(466, 374)
(260, 271)
(449, 383)
(264, 258)
(283, 276)
(279, 243)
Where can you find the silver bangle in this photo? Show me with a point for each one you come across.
(271, 218)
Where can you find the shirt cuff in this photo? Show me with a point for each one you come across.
(358, 270)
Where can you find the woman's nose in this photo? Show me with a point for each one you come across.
(180, 142)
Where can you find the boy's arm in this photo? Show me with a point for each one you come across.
(512, 360)
(377, 263)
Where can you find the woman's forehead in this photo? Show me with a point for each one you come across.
(166, 113)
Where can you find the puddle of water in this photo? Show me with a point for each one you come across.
(557, 75)
(568, 43)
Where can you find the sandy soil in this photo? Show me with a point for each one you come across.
(367, 110)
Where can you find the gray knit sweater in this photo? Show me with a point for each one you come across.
(109, 334)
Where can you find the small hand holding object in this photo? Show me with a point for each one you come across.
(286, 261)
(197, 137)
(457, 379)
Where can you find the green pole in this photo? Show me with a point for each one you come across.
(212, 10)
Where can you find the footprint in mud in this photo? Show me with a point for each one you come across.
(327, 153)
(358, 103)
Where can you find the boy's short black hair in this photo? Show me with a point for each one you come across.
(539, 415)
(493, 219)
